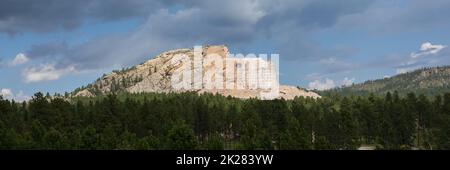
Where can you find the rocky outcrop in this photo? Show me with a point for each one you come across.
(167, 73)
(285, 92)
(84, 93)
(290, 92)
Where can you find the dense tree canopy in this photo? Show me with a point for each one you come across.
(191, 121)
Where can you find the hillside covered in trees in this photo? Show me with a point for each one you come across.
(428, 81)
(191, 121)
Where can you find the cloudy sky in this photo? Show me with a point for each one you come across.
(56, 46)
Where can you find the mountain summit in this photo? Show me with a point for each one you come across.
(213, 72)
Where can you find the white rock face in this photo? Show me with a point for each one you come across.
(212, 72)
(84, 93)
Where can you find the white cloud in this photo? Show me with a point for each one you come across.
(8, 94)
(406, 69)
(21, 96)
(19, 59)
(329, 83)
(428, 54)
(347, 81)
(318, 85)
(428, 48)
(160, 32)
(45, 73)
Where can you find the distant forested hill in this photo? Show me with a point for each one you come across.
(428, 81)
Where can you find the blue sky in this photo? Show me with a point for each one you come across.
(57, 46)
